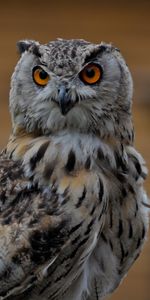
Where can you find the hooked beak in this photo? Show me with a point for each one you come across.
(64, 101)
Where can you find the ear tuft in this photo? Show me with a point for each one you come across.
(24, 45)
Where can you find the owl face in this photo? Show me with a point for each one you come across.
(71, 85)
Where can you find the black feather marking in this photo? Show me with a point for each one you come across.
(82, 242)
(138, 243)
(136, 257)
(143, 232)
(89, 227)
(124, 192)
(120, 176)
(136, 209)
(80, 200)
(111, 244)
(76, 227)
(130, 230)
(36, 50)
(96, 291)
(66, 199)
(76, 239)
(93, 210)
(120, 229)
(111, 218)
(103, 211)
(38, 156)
(138, 167)
(122, 252)
(100, 154)
(103, 237)
(88, 163)
(131, 189)
(65, 192)
(120, 163)
(3, 197)
(101, 190)
(62, 276)
(47, 173)
(71, 161)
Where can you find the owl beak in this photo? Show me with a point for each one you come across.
(64, 101)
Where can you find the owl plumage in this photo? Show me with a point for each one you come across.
(72, 205)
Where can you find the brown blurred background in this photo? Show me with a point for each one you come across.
(124, 23)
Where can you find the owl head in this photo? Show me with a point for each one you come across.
(72, 85)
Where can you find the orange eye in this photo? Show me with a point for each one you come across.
(40, 77)
(91, 73)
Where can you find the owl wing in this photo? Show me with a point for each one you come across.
(46, 234)
(123, 235)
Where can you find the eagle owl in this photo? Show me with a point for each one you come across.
(73, 211)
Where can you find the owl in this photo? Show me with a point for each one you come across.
(73, 210)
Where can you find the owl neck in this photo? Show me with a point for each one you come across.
(46, 159)
(21, 140)
(85, 148)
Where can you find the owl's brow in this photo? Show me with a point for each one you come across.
(94, 53)
(36, 52)
(42, 63)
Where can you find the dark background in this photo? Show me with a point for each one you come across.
(124, 23)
